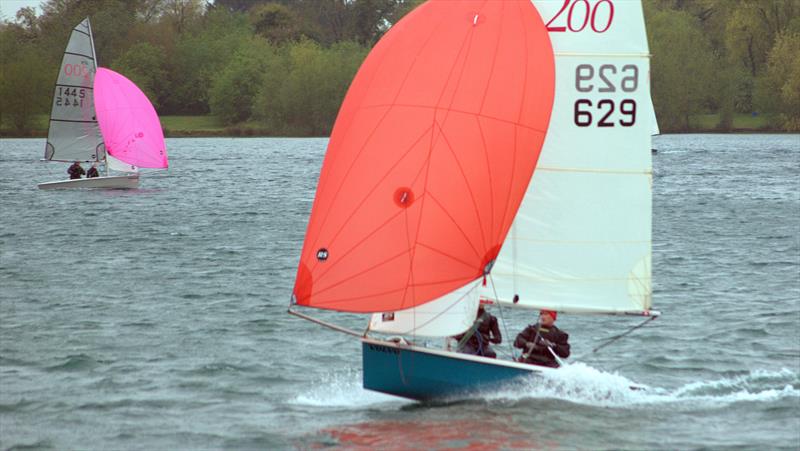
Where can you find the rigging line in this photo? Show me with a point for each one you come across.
(617, 337)
(505, 326)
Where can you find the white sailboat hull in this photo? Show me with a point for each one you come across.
(112, 182)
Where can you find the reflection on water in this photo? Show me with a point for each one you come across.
(493, 433)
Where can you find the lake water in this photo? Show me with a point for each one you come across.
(156, 318)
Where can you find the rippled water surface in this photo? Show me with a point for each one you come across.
(155, 318)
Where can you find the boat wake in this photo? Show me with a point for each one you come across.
(583, 384)
(580, 384)
(341, 389)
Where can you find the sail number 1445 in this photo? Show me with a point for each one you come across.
(605, 78)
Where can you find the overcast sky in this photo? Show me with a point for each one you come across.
(9, 8)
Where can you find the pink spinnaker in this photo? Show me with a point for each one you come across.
(128, 121)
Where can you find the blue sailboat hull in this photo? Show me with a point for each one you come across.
(425, 374)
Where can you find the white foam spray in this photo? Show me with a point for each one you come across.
(583, 384)
(341, 389)
(580, 384)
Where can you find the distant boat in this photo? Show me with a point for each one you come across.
(99, 116)
(483, 154)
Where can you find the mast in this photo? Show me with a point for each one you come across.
(94, 53)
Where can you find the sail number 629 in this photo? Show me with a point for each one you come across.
(606, 78)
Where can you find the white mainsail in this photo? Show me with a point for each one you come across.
(74, 133)
(581, 241)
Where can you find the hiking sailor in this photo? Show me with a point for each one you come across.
(484, 331)
(543, 341)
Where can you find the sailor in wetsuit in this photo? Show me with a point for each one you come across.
(537, 341)
(75, 171)
(477, 340)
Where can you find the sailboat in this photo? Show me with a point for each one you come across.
(99, 116)
(485, 153)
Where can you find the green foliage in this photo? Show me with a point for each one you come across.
(304, 97)
(199, 57)
(283, 66)
(778, 90)
(275, 22)
(143, 64)
(682, 73)
(233, 91)
(23, 80)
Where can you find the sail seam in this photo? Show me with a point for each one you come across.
(594, 171)
(471, 195)
(374, 131)
(449, 110)
(614, 55)
(383, 293)
(573, 279)
(368, 195)
(455, 223)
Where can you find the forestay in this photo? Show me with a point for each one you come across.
(581, 241)
(73, 133)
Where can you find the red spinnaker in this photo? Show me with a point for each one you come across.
(430, 156)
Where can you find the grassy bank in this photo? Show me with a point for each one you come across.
(741, 123)
(180, 126)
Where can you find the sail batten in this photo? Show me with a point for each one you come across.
(73, 133)
(581, 240)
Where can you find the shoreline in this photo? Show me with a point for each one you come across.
(249, 133)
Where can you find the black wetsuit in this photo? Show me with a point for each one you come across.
(75, 171)
(540, 355)
(487, 332)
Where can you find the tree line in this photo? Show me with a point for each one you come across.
(283, 66)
